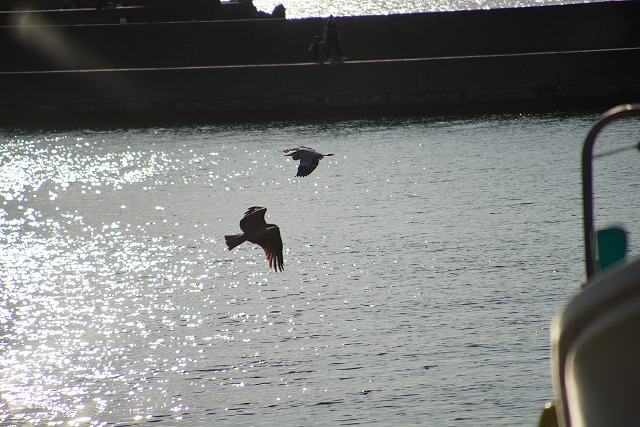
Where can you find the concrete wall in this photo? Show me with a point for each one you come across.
(134, 11)
(439, 83)
(279, 41)
(556, 56)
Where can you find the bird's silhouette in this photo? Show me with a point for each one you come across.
(309, 158)
(256, 230)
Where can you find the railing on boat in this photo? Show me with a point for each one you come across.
(608, 245)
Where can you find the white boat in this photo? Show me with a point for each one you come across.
(595, 338)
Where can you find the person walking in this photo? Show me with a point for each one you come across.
(331, 36)
(315, 49)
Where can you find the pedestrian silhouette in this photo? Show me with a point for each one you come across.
(331, 35)
(315, 48)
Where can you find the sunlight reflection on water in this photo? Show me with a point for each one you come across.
(323, 8)
(423, 263)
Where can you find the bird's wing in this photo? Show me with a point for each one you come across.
(308, 150)
(308, 163)
(299, 152)
(253, 220)
(304, 170)
(301, 149)
(271, 242)
(296, 151)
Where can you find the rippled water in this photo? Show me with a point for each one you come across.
(423, 263)
(315, 8)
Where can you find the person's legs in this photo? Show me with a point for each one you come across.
(329, 46)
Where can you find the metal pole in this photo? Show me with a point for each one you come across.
(626, 110)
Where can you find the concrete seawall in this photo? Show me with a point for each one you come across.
(552, 80)
(576, 60)
(36, 46)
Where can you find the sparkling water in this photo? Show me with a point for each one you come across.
(323, 8)
(423, 264)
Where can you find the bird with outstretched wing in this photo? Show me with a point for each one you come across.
(256, 230)
(309, 158)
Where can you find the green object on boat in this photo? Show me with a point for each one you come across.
(611, 246)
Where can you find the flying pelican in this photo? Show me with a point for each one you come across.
(256, 230)
(309, 158)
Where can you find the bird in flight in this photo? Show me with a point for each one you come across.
(309, 158)
(256, 230)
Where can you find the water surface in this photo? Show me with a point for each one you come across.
(314, 8)
(423, 264)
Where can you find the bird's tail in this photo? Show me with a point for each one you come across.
(234, 240)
